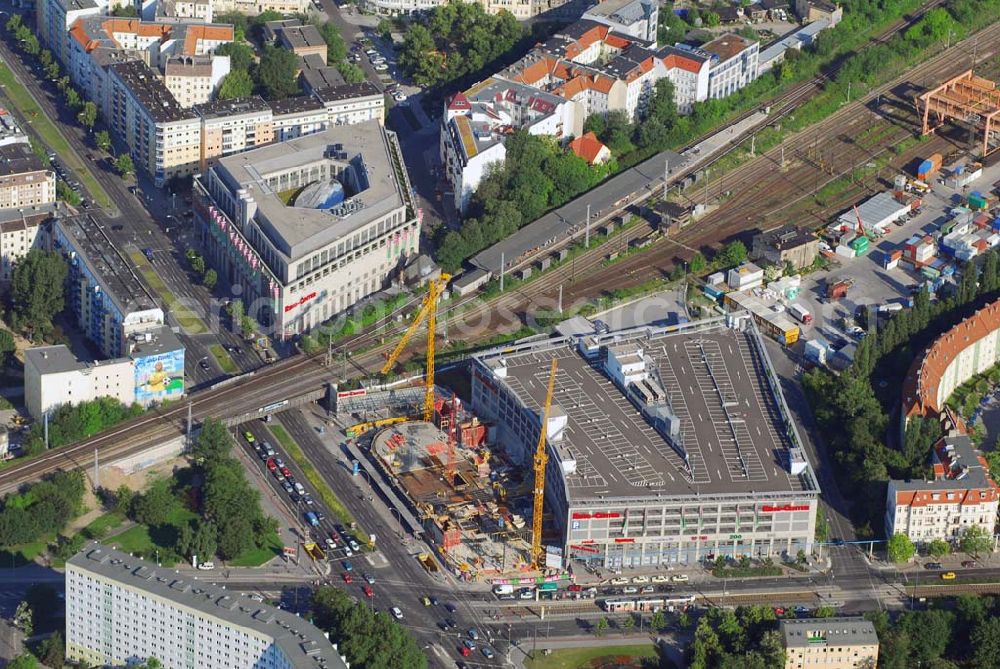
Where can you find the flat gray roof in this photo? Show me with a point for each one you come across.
(53, 359)
(302, 642)
(736, 444)
(819, 632)
(298, 231)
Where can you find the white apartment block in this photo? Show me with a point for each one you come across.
(193, 80)
(475, 123)
(734, 64)
(163, 138)
(829, 643)
(350, 226)
(297, 117)
(233, 126)
(201, 11)
(53, 376)
(255, 7)
(961, 495)
(24, 181)
(121, 610)
(353, 103)
(635, 18)
(20, 231)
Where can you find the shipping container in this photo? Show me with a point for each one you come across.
(860, 246)
(837, 289)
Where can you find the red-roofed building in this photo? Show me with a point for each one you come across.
(590, 149)
(961, 495)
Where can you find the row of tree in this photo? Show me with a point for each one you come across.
(42, 509)
(455, 40)
(37, 292)
(974, 540)
(367, 639)
(854, 418)
(69, 424)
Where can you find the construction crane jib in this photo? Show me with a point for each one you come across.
(541, 459)
(428, 312)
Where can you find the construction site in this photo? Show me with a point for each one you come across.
(477, 508)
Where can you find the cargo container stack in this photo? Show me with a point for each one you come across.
(929, 167)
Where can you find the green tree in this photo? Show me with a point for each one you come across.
(73, 99)
(102, 140)
(37, 290)
(627, 625)
(236, 84)
(248, 325)
(351, 73)
(240, 55)
(823, 612)
(336, 50)
(276, 73)
(23, 618)
(214, 442)
(13, 23)
(123, 498)
(384, 28)
(601, 627)
(198, 539)
(52, 71)
(125, 11)
(23, 661)
(975, 540)
(938, 548)
(697, 264)
(88, 115)
(985, 644)
(7, 346)
(124, 165)
(733, 253)
(236, 312)
(900, 548)
(210, 278)
(52, 650)
(154, 506)
(65, 193)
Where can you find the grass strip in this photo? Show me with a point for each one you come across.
(31, 112)
(186, 318)
(222, 357)
(574, 658)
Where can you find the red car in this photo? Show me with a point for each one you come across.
(778, 611)
(464, 651)
(369, 593)
(271, 465)
(285, 471)
(348, 578)
(576, 587)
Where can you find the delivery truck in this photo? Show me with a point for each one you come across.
(801, 313)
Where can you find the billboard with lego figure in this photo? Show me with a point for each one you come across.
(159, 377)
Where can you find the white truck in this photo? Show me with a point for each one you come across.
(801, 313)
(503, 589)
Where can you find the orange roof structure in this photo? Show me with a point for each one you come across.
(588, 147)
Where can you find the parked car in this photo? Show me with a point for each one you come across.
(948, 576)
(347, 577)
(932, 565)
(396, 613)
(679, 578)
(968, 563)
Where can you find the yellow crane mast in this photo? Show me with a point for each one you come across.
(541, 459)
(428, 311)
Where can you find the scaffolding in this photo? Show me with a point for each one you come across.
(966, 98)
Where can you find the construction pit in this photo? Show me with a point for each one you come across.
(463, 507)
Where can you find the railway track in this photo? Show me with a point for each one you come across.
(476, 318)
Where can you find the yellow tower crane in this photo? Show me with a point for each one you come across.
(541, 459)
(428, 311)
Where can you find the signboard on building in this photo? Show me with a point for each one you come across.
(553, 557)
(159, 377)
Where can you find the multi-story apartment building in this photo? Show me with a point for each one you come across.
(829, 643)
(21, 231)
(24, 181)
(121, 610)
(163, 137)
(233, 126)
(309, 226)
(53, 19)
(105, 297)
(297, 117)
(971, 347)
(962, 494)
(200, 11)
(353, 103)
(635, 18)
(476, 122)
(151, 371)
(665, 445)
(193, 80)
(734, 64)
(255, 7)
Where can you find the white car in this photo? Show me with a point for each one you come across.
(396, 613)
(659, 578)
(381, 67)
(354, 545)
(621, 580)
(640, 579)
(679, 578)
(399, 96)
(330, 545)
(206, 566)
